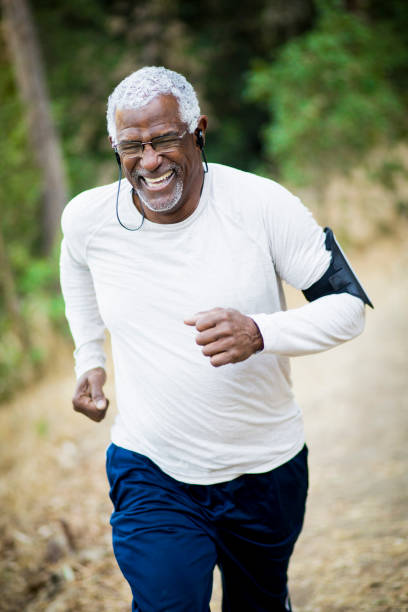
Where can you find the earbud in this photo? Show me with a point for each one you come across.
(200, 139)
(117, 157)
(200, 144)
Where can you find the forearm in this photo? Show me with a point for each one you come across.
(89, 356)
(315, 327)
(86, 325)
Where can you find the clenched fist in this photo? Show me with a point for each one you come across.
(89, 397)
(226, 335)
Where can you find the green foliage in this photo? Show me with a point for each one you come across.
(331, 95)
(81, 54)
(227, 37)
(19, 181)
(299, 88)
(388, 172)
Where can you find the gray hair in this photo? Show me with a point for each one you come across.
(140, 87)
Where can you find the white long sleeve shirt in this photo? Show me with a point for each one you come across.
(200, 424)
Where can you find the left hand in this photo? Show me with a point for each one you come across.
(226, 335)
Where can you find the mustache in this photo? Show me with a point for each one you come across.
(136, 174)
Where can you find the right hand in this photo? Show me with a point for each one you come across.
(89, 397)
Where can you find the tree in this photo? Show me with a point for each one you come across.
(24, 51)
(333, 94)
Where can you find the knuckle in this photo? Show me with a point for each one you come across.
(227, 328)
(228, 343)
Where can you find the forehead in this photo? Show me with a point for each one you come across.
(161, 113)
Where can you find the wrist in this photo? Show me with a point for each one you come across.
(257, 340)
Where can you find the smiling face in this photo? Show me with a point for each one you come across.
(168, 184)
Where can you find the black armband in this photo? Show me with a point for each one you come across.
(338, 278)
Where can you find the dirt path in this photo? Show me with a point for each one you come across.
(353, 555)
(354, 551)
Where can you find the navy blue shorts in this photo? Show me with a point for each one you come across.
(168, 536)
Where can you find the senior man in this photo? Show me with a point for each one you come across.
(208, 464)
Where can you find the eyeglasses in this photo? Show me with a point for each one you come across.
(133, 149)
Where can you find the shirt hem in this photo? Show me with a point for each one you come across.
(225, 476)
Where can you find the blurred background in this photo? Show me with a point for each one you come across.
(311, 93)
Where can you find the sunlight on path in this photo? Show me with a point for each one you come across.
(54, 533)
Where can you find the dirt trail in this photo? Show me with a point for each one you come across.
(55, 552)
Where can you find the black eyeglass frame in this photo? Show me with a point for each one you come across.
(172, 140)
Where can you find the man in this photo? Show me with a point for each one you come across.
(208, 463)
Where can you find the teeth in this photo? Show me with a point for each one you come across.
(163, 177)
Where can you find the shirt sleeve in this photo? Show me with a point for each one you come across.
(81, 308)
(297, 246)
(315, 327)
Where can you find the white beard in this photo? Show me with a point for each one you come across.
(167, 205)
(162, 205)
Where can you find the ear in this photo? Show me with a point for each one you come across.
(202, 125)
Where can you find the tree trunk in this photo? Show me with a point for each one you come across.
(24, 50)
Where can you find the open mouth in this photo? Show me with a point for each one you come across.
(160, 182)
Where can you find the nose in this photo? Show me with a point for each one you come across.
(150, 159)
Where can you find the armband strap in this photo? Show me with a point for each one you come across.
(338, 278)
